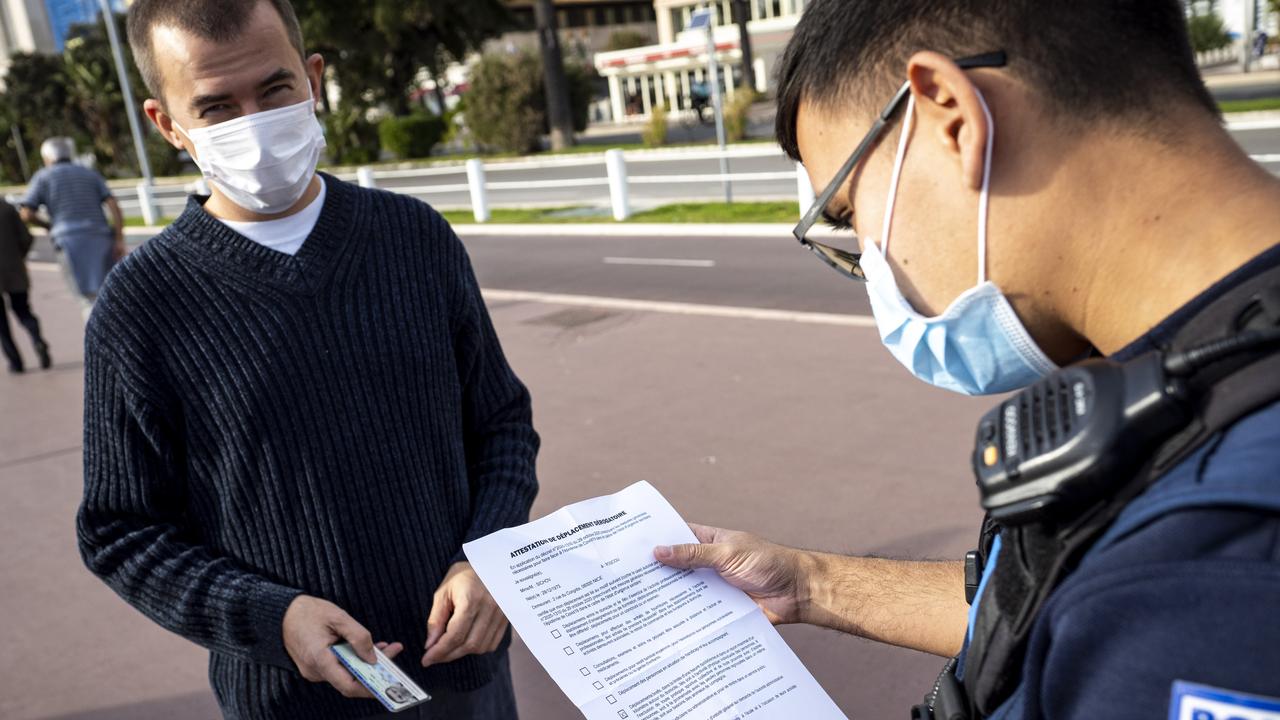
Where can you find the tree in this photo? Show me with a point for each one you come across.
(36, 102)
(1207, 32)
(96, 98)
(742, 16)
(554, 81)
(377, 48)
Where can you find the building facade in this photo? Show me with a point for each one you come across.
(42, 26)
(668, 72)
(586, 26)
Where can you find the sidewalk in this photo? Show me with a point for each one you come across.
(721, 415)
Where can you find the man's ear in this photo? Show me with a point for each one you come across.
(949, 108)
(158, 117)
(315, 76)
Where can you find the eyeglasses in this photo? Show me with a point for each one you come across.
(842, 261)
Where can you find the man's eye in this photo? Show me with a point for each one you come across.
(214, 110)
(275, 90)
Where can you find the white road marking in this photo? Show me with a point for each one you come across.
(43, 266)
(660, 262)
(1267, 124)
(675, 308)
(1272, 158)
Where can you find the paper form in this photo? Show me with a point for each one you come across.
(627, 638)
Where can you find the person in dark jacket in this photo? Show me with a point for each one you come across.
(15, 243)
(1082, 140)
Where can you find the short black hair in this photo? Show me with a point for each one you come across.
(1090, 60)
(217, 20)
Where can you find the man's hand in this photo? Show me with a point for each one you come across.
(464, 619)
(773, 575)
(311, 627)
(118, 249)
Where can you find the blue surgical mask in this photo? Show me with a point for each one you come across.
(977, 346)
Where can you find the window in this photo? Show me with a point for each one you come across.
(577, 17)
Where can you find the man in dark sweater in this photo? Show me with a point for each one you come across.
(296, 408)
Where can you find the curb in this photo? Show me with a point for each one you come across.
(713, 230)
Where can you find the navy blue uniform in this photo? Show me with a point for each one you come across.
(1183, 589)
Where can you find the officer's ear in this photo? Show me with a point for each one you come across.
(949, 112)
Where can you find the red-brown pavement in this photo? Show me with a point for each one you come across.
(808, 434)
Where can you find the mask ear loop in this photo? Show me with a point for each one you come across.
(984, 199)
(907, 125)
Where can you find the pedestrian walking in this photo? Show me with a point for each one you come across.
(74, 197)
(15, 243)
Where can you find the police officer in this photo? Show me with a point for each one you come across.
(1031, 184)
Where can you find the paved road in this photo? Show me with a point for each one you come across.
(753, 272)
(1259, 141)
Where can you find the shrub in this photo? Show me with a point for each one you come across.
(1207, 32)
(351, 139)
(505, 102)
(625, 40)
(655, 133)
(737, 114)
(411, 136)
(506, 107)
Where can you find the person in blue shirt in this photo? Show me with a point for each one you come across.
(74, 197)
(1032, 183)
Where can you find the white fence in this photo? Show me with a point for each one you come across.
(609, 173)
(475, 177)
(478, 179)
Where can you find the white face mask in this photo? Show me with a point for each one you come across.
(262, 162)
(978, 345)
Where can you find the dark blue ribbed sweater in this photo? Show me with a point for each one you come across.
(335, 423)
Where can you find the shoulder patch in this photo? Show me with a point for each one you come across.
(1202, 702)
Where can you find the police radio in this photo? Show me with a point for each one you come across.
(1076, 436)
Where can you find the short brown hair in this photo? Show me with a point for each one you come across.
(217, 20)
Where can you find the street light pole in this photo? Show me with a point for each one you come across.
(1246, 49)
(126, 89)
(714, 71)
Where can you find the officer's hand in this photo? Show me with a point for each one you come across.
(773, 575)
(464, 620)
(311, 627)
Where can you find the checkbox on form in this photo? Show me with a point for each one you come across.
(568, 651)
